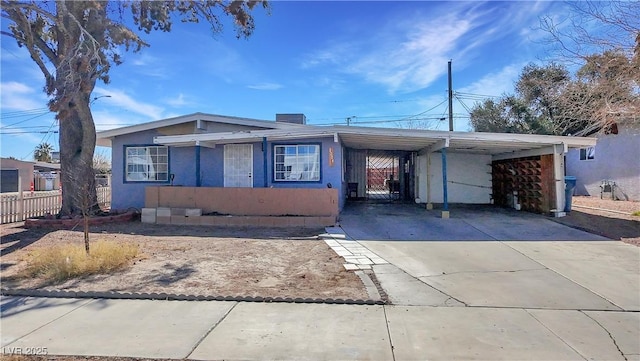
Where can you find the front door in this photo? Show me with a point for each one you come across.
(238, 165)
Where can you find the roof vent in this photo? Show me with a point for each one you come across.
(291, 118)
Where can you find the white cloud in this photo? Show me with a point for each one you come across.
(20, 97)
(177, 101)
(148, 65)
(265, 86)
(408, 54)
(121, 100)
(497, 83)
(105, 120)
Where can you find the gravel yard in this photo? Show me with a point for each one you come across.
(209, 261)
(612, 219)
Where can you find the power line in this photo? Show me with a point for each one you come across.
(44, 138)
(428, 110)
(25, 120)
(463, 104)
(476, 95)
(19, 113)
(28, 132)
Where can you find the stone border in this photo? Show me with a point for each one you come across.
(75, 222)
(179, 297)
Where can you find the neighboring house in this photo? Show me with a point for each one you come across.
(21, 175)
(191, 154)
(615, 158)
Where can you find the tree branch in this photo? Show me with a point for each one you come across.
(32, 42)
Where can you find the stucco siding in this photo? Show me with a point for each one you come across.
(211, 166)
(329, 174)
(126, 195)
(25, 171)
(468, 178)
(617, 158)
(182, 164)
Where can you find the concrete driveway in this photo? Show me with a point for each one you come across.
(492, 257)
(515, 266)
(411, 222)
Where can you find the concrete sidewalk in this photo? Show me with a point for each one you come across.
(239, 331)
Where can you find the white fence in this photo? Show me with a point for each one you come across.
(18, 206)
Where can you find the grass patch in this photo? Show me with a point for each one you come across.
(636, 213)
(62, 262)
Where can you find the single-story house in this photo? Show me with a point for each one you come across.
(21, 175)
(238, 166)
(614, 159)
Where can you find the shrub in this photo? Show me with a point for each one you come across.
(636, 213)
(62, 262)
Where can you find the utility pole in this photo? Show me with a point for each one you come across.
(349, 119)
(450, 100)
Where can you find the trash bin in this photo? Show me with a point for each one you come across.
(569, 185)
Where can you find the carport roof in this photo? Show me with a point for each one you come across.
(389, 139)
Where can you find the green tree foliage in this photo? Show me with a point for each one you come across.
(42, 153)
(74, 44)
(603, 37)
(534, 107)
(548, 100)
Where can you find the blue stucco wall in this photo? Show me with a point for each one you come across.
(182, 165)
(328, 175)
(126, 195)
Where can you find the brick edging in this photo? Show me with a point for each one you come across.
(75, 222)
(179, 297)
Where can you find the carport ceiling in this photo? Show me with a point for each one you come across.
(406, 143)
(385, 142)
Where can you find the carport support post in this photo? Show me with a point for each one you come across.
(445, 201)
(429, 204)
(558, 176)
(198, 178)
(265, 162)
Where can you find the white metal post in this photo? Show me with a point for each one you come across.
(20, 205)
(558, 177)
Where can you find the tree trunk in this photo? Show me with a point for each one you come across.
(77, 145)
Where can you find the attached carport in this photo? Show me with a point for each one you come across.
(519, 170)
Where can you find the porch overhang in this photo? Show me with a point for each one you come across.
(494, 144)
(253, 136)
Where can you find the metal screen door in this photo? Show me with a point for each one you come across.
(238, 165)
(382, 176)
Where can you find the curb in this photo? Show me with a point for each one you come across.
(179, 297)
(71, 223)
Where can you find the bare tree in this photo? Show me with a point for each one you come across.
(101, 163)
(604, 38)
(74, 44)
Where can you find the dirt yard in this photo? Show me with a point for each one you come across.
(209, 261)
(612, 219)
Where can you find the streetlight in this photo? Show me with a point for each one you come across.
(96, 98)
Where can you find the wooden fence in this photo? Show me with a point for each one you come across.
(18, 206)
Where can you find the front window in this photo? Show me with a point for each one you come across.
(297, 163)
(147, 164)
(588, 153)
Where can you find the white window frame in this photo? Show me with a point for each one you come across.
(146, 163)
(588, 153)
(296, 163)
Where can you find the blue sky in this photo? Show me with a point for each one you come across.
(380, 63)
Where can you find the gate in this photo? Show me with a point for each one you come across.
(383, 181)
(380, 175)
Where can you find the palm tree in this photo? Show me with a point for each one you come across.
(42, 153)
